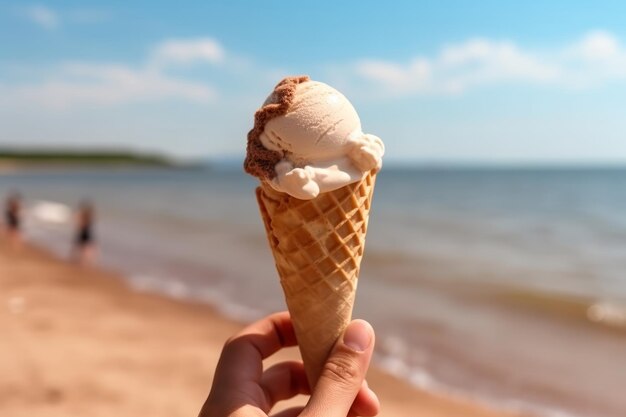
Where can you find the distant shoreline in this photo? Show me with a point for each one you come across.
(12, 159)
(6, 166)
(9, 166)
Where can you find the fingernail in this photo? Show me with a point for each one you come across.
(358, 336)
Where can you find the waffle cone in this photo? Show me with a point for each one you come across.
(318, 245)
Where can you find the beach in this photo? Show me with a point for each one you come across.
(79, 342)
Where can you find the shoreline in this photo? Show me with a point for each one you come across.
(8, 168)
(121, 362)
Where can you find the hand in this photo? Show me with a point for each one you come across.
(242, 389)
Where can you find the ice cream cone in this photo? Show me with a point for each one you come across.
(318, 245)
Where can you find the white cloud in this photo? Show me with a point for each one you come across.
(596, 46)
(42, 16)
(70, 85)
(596, 58)
(417, 73)
(78, 84)
(185, 51)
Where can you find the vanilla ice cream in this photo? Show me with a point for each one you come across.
(308, 140)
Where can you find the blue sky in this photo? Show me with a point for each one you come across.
(438, 81)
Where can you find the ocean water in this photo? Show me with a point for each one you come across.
(505, 286)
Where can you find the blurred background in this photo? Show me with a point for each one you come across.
(497, 246)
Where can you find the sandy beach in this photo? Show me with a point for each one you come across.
(78, 342)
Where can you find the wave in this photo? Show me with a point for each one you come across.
(49, 212)
(607, 313)
(392, 361)
(178, 289)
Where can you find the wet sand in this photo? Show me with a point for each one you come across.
(78, 342)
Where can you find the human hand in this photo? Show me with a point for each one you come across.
(242, 389)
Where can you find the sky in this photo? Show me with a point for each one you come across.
(439, 81)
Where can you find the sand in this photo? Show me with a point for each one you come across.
(76, 341)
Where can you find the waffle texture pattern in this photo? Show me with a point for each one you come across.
(318, 245)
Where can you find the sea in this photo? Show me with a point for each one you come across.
(504, 286)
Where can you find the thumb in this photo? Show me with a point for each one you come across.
(343, 373)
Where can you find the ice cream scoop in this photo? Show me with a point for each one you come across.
(314, 140)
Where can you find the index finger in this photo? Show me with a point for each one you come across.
(243, 354)
(268, 335)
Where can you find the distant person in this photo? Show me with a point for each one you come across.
(84, 241)
(13, 218)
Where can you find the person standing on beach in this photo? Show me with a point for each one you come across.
(13, 218)
(84, 242)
